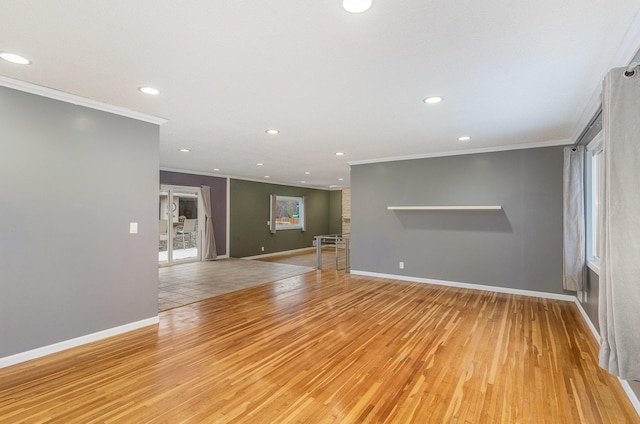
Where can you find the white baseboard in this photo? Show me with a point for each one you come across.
(624, 383)
(284, 252)
(590, 324)
(67, 344)
(497, 289)
(633, 397)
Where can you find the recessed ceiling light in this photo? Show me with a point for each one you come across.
(303, 182)
(185, 150)
(149, 90)
(339, 153)
(266, 176)
(307, 173)
(464, 138)
(272, 131)
(356, 6)
(259, 164)
(216, 169)
(340, 179)
(15, 58)
(433, 100)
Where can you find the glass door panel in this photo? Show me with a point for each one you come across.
(163, 224)
(179, 210)
(184, 221)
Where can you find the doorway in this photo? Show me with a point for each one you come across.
(179, 212)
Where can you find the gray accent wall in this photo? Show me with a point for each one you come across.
(249, 214)
(335, 212)
(218, 187)
(519, 247)
(71, 181)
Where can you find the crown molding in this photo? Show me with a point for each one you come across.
(629, 46)
(255, 180)
(51, 93)
(185, 171)
(464, 152)
(593, 106)
(628, 50)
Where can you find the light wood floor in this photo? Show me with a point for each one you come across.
(329, 347)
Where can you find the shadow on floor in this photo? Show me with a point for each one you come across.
(332, 258)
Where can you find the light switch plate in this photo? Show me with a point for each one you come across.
(133, 228)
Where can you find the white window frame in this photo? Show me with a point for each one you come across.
(594, 167)
(301, 218)
(175, 190)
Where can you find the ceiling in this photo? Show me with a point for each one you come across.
(511, 72)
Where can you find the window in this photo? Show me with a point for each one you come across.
(594, 172)
(287, 212)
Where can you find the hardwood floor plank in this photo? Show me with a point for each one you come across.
(329, 347)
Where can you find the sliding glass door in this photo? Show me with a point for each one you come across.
(163, 224)
(180, 212)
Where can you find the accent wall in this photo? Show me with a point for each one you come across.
(250, 213)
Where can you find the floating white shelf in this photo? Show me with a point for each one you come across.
(444, 208)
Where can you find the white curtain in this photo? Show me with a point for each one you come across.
(209, 244)
(619, 300)
(273, 201)
(573, 222)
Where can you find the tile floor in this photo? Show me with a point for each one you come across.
(187, 283)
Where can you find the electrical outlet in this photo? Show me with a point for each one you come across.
(262, 248)
(584, 297)
(133, 228)
(401, 265)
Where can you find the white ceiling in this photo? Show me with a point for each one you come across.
(512, 72)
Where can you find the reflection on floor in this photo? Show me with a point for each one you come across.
(331, 258)
(187, 283)
(191, 252)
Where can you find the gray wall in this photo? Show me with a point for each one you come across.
(71, 181)
(591, 288)
(591, 308)
(519, 247)
(335, 212)
(218, 187)
(249, 213)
